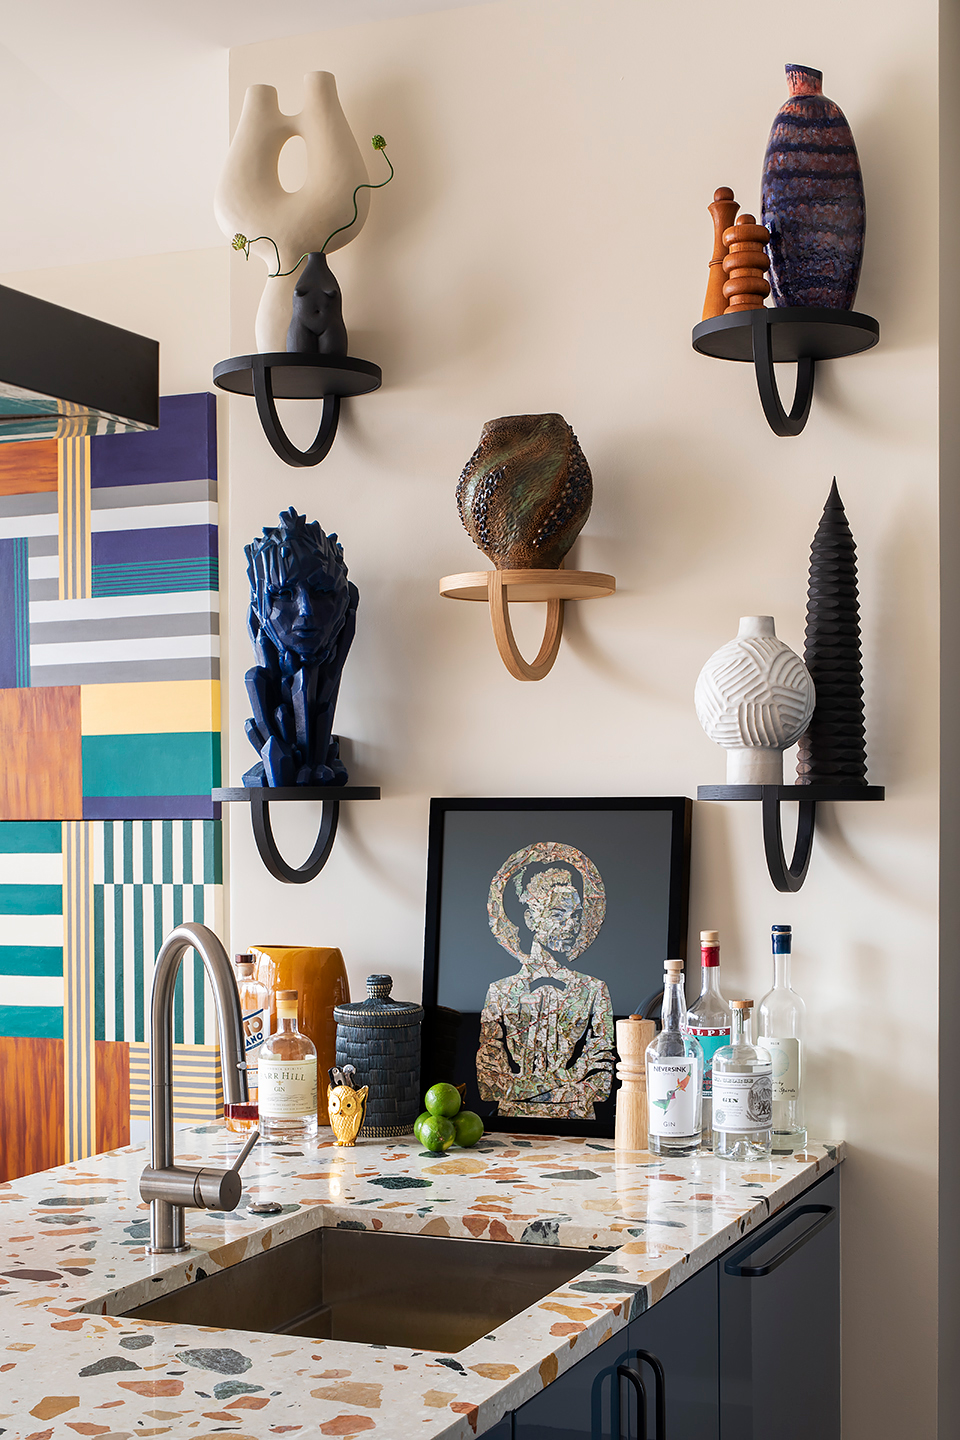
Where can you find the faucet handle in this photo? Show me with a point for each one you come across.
(221, 1189)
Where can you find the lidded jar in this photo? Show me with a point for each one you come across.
(380, 1038)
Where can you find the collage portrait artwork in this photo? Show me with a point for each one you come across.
(110, 730)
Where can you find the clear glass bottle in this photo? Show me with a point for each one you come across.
(780, 1028)
(674, 1064)
(288, 1078)
(708, 1021)
(742, 1093)
(255, 1009)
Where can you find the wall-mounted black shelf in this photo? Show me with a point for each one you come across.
(789, 878)
(290, 375)
(776, 335)
(261, 797)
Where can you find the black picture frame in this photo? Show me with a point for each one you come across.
(650, 912)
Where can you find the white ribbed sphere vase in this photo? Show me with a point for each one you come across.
(755, 697)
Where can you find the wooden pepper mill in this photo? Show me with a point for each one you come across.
(633, 1036)
(724, 211)
(747, 287)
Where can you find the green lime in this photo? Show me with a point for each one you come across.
(437, 1133)
(468, 1127)
(442, 1099)
(418, 1122)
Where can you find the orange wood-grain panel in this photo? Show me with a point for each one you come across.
(28, 466)
(41, 775)
(31, 1105)
(112, 1062)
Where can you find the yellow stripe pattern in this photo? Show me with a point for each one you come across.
(73, 420)
(197, 1083)
(79, 1054)
(73, 493)
(155, 707)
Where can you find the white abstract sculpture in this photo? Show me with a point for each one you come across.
(755, 697)
(251, 201)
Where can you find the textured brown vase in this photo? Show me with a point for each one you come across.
(526, 491)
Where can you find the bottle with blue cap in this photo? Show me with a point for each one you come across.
(781, 1017)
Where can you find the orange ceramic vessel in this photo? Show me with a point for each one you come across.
(319, 976)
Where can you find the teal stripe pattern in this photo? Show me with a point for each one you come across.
(31, 929)
(31, 960)
(31, 899)
(30, 837)
(39, 1022)
(156, 577)
(149, 876)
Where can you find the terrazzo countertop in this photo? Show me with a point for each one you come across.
(72, 1258)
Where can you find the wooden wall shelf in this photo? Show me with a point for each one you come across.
(500, 587)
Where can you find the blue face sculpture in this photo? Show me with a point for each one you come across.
(299, 593)
(302, 622)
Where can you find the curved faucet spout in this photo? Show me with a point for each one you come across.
(166, 1208)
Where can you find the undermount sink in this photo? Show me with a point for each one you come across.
(423, 1292)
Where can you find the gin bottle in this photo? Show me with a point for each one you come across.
(288, 1078)
(742, 1122)
(780, 1028)
(674, 1063)
(708, 1021)
(255, 1010)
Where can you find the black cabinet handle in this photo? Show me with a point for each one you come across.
(660, 1390)
(753, 1272)
(634, 1378)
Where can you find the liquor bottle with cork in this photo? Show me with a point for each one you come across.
(708, 1020)
(781, 1018)
(674, 1064)
(288, 1078)
(742, 1093)
(255, 1010)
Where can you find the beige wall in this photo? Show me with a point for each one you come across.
(544, 248)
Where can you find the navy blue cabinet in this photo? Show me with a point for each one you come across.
(746, 1349)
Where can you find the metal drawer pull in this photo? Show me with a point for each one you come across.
(753, 1272)
(628, 1373)
(660, 1391)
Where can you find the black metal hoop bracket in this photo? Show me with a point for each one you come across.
(293, 376)
(775, 335)
(788, 878)
(261, 797)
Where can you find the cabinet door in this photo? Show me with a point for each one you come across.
(585, 1402)
(780, 1324)
(674, 1347)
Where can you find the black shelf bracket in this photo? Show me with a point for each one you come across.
(770, 336)
(261, 797)
(291, 375)
(788, 877)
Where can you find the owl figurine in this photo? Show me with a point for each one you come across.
(346, 1108)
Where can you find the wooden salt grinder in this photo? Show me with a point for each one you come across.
(724, 211)
(747, 287)
(633, 1036)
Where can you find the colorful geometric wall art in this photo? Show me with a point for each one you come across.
(110, 733)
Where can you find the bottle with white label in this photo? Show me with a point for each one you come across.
(288, 1078)
(780, 1029)
(742, 1097)
(255, 1012)
(708, 1021)
(674, 1063)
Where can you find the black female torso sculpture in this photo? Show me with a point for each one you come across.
(302, 622)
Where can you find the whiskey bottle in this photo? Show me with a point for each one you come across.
(780, 1028)
(288, 1078)
(742, 1102)
(708, 1021)
(674, 1063)
(255, 1012)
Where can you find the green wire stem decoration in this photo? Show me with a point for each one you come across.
(240, 242)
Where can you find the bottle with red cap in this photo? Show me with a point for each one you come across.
(708, 1021)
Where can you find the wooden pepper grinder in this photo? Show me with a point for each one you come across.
(633, 1036)
(747, 287)
(724, 211)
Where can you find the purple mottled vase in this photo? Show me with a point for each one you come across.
(812, 199)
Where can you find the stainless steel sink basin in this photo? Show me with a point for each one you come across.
(419, 1291)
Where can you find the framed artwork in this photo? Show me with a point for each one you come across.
(547, 920)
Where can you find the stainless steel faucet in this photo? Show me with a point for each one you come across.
(170, 1188)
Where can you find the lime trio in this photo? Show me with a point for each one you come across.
(444, 1123)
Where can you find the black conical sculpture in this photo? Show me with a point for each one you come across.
(833, 750)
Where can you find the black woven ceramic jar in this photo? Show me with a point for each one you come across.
(380, 1037)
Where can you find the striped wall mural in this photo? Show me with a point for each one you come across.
(110, 736)
(197, 1083)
